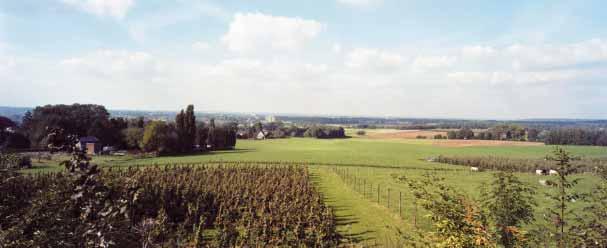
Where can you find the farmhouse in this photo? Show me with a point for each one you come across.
(91, 144)
(261, 135)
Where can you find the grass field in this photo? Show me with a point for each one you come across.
(376, 162)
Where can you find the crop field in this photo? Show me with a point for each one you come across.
(348, 173)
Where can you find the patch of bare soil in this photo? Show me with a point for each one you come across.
(465, 143)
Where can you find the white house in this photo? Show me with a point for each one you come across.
(261, 135)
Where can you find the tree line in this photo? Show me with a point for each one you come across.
(277, 130)
(184, 135)
(554, 136)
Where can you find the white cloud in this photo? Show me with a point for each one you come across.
(114, 8)
(360, 3)
(200, 46)
(106, 64)
(423, 63)
(515, 78)
(478, 51)
(365, 58)
(255, 31)
(336, 48)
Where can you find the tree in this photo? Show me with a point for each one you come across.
(532, 134)
(562, 195)
(593, 231)
(133, 137)
(457, 220)
(202, 135)
(211, 134)
(159, 137)
(76, 119)
(5, 122)
(451, 135)
(510, 203)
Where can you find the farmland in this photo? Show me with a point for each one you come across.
(361, 218)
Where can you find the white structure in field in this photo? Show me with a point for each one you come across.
(271, 118)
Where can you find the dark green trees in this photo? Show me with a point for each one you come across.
(562, 194)
(510, 204)
(185, 124)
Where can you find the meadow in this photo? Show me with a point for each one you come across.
(360, 217)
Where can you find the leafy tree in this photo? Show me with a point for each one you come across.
(6, 122)
(76, 119)
(159, 137)
(457, 220)
(562, 195)
(510, 203)
(451, 135)
(211, 134)
(133, 137)
(593, 230)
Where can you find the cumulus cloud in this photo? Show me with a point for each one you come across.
(249, 32)
(107, 64)
(424, 63)
(114, 8)
(365, 58)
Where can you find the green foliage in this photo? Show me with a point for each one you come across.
(457, 220)
(248, 206)
(133, 137)
(325, 132)
(77, 119)
(185, 125)
(503, 163)
(159, 137)
(593, 232)
(510, 204)
(562, 195)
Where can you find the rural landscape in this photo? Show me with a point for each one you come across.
(342, 123)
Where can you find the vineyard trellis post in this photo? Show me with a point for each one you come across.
(400, 203)
(378, 193)
(388, 198)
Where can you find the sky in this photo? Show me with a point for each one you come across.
(398, 58)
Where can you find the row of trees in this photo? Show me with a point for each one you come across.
(277, 130)
(507, 207)
(499, 132)
(182, 136)
(576, 136)
(560, 136)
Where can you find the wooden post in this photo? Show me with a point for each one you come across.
(388, 198)
(364, 187)
(415, 214)
(377, 193)
(400, 203)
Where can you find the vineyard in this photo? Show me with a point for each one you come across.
(519, 164)
(177, 206)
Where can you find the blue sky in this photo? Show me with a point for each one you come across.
(466, 59)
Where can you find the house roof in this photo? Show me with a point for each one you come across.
(89, 139)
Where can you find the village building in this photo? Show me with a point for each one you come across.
(91, 144)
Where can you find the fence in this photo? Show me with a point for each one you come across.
(378, 193)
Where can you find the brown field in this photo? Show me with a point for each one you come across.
(412, 134)
(465, 143)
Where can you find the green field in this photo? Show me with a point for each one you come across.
(374, 162)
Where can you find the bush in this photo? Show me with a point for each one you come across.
(361, 132)
(421, 137)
